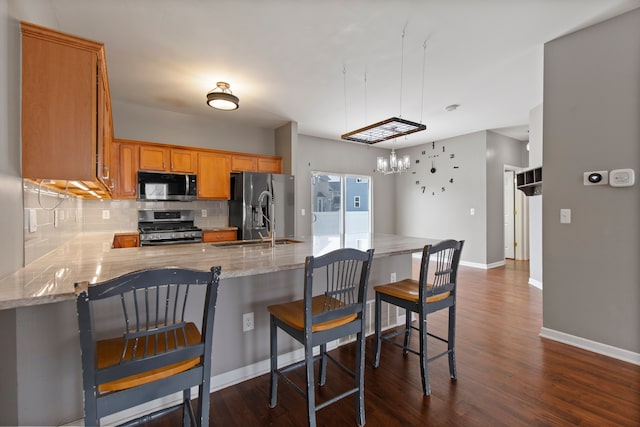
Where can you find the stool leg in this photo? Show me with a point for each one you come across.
(322, 374)
(311, 396)
(424, 368)
(451, 341)
(360, 379)
(273, 333)
(407, 330)
(378, 326)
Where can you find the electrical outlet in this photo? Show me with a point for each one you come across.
(33, 221)
(106, 214)
(393, 277)
(247, 322)
(204, 213)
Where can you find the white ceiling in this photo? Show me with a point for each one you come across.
(305, 60)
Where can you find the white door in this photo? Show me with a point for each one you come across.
(509, 214)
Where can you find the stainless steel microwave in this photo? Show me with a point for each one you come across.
(155, 186)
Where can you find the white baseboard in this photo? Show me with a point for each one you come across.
(535, 283)
(594, 346)
(496, 264)
(482, 266)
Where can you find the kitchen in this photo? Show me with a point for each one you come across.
(143, 123)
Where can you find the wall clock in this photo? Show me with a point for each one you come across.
(438, 170)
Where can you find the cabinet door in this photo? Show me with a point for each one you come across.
(154, 158)
(213, 176)
(244, 163)
(270, 165)
(126, 240)
(59, 107)
(219, 235)
(184, 161)
(127, 179)
(105, 130)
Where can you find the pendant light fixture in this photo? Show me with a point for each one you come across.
(391, 128)
(222, 98)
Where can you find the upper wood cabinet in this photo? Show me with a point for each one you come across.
(240, 163)
(125, 161)
(184, 161)
(154, 158)
(164, 159)
(214, 181)
(252, 163)
(66, 112)
(269, 164)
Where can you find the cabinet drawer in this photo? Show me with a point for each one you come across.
(126, 240)
(219, 235)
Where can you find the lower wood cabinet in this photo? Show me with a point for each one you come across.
(126, 240)
(219, 235)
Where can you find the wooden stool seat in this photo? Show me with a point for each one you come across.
(292, 313)
(110, 350)
(408, 289)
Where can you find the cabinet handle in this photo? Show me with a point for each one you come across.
(105, 172)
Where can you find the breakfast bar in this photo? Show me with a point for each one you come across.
(253, 276)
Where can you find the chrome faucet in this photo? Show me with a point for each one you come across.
(269, 217)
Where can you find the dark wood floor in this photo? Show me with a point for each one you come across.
(507, 374)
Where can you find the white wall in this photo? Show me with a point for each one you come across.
(591, 122)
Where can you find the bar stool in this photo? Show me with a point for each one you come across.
(157, 351)
(423, 298)
(316, 320)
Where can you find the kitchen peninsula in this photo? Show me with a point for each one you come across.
(89, 256)
(252, 277)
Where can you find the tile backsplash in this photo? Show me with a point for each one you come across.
(60, 217)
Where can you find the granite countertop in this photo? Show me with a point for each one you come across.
(89, 256)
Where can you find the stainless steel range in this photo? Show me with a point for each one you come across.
(167, 227)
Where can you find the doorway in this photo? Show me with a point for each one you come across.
(516, 217)
(341, 204)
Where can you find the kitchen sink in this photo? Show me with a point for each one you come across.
(253, 243)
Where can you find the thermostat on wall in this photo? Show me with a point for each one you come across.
(622, 178)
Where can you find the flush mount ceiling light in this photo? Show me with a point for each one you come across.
(222, 98)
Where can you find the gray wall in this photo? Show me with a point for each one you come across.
(324, 155)
(591, 122)
(477, 184)
(445, 215)
(11, 208)
(167, 127)
(501, 151)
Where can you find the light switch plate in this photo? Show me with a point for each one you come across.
(565, 216)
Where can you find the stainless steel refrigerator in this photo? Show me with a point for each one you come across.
(261, 202)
